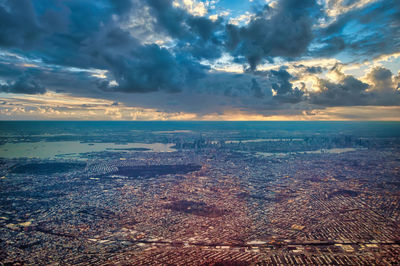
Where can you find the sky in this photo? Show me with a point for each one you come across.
(200, 60)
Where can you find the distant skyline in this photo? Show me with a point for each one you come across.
(200, 60)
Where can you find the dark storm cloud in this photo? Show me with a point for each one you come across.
(255, 87)
(254, 90)
(18, 24)
(280, 81)
(283, 85)
(53, 78)
(88, 36)
(9, 71)
(18, 79)
(250, 91)
(151, 68)
(381, 78)
(285, 92)
(350, 91)
(195, 35)
(284, 31)
(179, 24)
(23, 84)
(294, 96)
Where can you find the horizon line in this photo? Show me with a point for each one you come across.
(38, 120)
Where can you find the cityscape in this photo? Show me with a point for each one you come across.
(238, 196)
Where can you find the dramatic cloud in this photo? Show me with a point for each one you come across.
(200, 57)
(88, 36)
(382, 80)
(366, 30)
(23, 85)
(349, 91)
(18, 24)
(285, 31)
